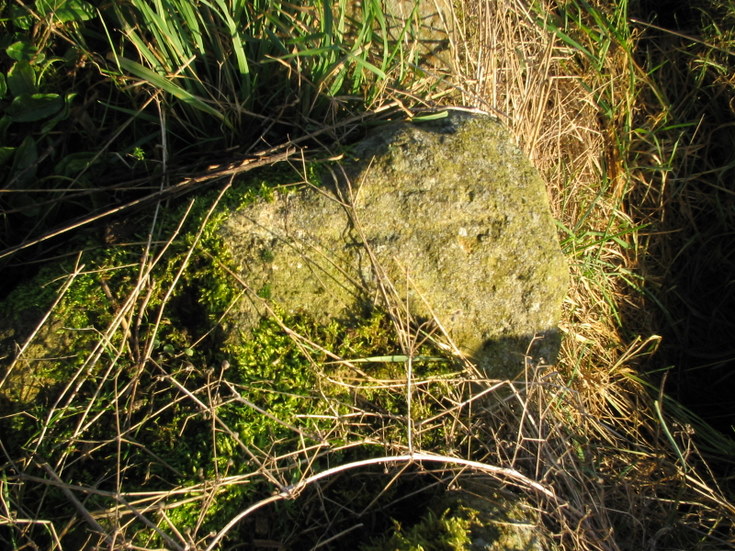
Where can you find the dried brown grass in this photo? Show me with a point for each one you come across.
(548, 94)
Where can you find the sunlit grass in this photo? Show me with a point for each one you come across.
(593, 107)
(230, 66)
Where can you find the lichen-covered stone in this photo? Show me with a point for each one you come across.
(449, 212)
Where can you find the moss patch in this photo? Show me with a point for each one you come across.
(154, 388)
(474, 516)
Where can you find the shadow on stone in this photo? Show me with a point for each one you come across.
(506, 357)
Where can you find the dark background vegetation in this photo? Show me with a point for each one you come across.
(692, 258)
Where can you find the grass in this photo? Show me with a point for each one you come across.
(303, 65)
(692, 204)
(150, 424)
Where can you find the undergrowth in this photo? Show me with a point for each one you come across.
(191, 402)
(133, 413)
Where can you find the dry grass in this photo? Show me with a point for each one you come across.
(574, 119)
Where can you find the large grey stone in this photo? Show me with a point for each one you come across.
(450, 212)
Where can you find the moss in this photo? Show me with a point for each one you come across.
(474, 517)
(70, 333)
(445, 532)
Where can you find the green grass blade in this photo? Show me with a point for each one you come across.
(158, 81)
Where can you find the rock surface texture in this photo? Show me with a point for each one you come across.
(448, 218)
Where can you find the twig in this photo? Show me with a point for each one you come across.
(88, 518)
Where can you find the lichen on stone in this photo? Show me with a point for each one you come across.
(446, 219)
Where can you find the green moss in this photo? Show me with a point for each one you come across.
(473, 517)
(445, 532)
(272, 394)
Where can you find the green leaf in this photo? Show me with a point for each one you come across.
(74, 163)
(163, 83)
(66, 11)
(20, 17)
(368, 66)
(21, 50)
(62, 115)
(5, 122)
(5, 154)
(22, 79)
(24, 163)
(34, 107)
(3, 86)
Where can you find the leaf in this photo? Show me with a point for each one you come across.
(20, 17)
(431, 116)
(62, 115)
(75, 163)
(163, 83)
(66, 11)
(21, 50)
(22, 79)
(24, 163)
(5, 154)
(26, 154)
(34, 107)
(5, 122)
(363, 63)
(3, 86)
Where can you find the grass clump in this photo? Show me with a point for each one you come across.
(590, 99)
(227, 65)
(689, 200)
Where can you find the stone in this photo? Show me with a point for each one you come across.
(492, 520)
(501, 521)
(448, 214)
